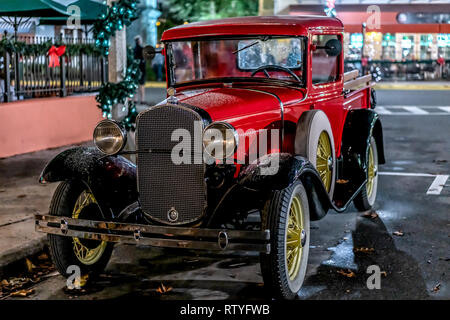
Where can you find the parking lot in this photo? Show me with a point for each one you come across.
(407, 235)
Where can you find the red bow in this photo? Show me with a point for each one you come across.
(54, 53)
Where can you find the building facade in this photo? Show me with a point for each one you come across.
(383, 30)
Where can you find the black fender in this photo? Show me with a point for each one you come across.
(112, 179)
(290, 169)
(360, 125)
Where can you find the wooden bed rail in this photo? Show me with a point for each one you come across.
(351, 75)
(353, 84)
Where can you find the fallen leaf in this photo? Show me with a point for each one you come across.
(43, 256)
(163, 289)
(30, 265)
(348, 274)
(4, 283)
(81, 282)
(398, 233)
(22, 293)
(436, 288)
(341, 181)
(364, 250)
(371, 214)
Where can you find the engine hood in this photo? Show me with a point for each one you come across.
(237, 104)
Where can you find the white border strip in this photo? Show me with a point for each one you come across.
(435, 188)
(415, 110)
(437, 185)
(406, 174)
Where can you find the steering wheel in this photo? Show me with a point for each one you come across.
(273, 67)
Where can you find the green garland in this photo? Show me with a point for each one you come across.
(37, 49)
(120, 14)
(113, 93)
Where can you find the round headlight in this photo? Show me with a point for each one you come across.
(109, 137)
(220, 140)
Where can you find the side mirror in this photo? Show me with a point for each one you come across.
(333, 47)
(149, 53)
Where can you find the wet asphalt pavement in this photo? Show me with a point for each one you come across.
(415, 262)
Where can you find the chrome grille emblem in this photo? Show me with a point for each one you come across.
(172, 215)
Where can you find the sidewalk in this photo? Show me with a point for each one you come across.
(21, 196)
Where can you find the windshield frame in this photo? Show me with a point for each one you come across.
(274, 81)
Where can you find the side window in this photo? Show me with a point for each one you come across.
(325, 68)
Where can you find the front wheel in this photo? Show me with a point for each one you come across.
(72, 199)
(366, 198)
(286, 215)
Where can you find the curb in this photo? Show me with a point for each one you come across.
(155, 84)
(404, 86)
(27, 246)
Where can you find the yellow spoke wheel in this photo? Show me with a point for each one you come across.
(295, 237)
(85, 254)
(324, 160)
(371, 172)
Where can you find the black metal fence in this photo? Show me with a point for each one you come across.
(29, 70)
(422, 70)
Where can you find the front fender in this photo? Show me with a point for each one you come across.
(290, 169)
(112, 179)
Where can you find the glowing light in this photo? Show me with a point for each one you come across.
(330, 8)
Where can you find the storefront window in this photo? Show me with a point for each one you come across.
(443, 43)
(426, 42)
(388, 46)
(408, 47)
(355, 46)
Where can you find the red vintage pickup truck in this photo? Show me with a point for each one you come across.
(261, 133)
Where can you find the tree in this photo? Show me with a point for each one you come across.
(196, 10)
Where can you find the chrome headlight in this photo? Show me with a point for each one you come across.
(220, 140)
(109, 137)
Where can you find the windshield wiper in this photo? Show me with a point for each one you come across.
(251, 44)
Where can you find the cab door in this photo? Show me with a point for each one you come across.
(325, 80)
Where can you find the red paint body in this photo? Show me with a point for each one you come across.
(241, 105)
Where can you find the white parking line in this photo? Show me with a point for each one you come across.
(406, 174)
(446, 109)
(437, 185)
(383, 110)
(435, 188)
(415, 110)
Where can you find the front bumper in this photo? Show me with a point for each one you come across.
(157, 236)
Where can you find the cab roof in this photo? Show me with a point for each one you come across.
(262, 25)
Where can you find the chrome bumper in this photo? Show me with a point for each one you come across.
(157, 236)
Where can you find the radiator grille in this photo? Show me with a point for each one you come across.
(162, 184)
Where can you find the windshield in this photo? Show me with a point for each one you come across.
(279, 58)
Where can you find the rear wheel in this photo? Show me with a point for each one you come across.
(286, 215)
(366, 198)
(74, 200)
